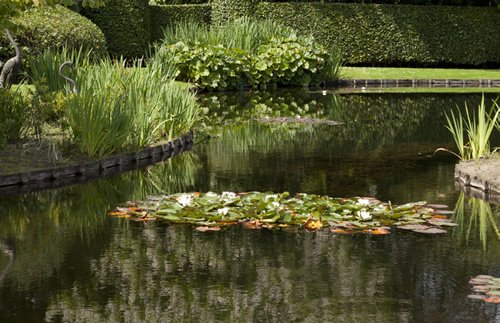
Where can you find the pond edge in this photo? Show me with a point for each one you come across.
(20, 183)
(475, 186)
(444, 83)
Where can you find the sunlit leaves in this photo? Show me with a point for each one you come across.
(268, 210)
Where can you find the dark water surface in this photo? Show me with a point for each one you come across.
(64, 259)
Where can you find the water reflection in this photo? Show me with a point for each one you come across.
(71, 262)
(478, 220)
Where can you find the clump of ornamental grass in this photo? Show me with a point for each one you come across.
(120, 107)
(46, 66)
(472, 133)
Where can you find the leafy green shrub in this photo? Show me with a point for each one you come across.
(51, 28)
(396, 35)
(290, 61)
(211, 66)
(171, 16)
(283, 60)
(13, 115)
(125, 24)
(481, 3)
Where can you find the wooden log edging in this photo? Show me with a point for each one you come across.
(444, 83)
(477, 187)
(52, 178)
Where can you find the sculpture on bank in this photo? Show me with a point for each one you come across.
(70, 64)
(10, 69)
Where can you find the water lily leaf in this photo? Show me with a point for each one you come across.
(380, 231)
(440, 222)
(479, 281)
(313, 224)
(486, 277)
(205, 228)
(431, 231)
(144, 219)
(444, 212)
(493, 293)
(337, 230)
(413, 227)
(436, 206)
(474, 296)
(492, 299)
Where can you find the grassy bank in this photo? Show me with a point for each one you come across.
(381, 73)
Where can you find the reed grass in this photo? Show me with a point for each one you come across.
(243, 33)
(475, 128)
(46, 66)
(128, 107)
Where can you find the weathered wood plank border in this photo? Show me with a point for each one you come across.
(52, 178)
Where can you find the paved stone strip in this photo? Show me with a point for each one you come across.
(448, 83)
(68, 175)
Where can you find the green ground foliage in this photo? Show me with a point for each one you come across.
(51, 28)
(126, 25)
(165, 16)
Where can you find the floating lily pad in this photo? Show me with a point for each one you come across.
(492, 299)
(431, 231)
(476, 296)
(437, 206)
(205, 229)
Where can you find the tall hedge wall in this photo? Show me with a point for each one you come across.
(163, 16)
(125, 24)
(397, 35)
(224, 11)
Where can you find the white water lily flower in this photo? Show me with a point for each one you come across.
(184, 200)
(223, 211)
(211, 194)
(363, 202)
(229, 194)
(273, 205)
(364, 215)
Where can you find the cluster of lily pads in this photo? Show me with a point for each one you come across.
(257, 210)
(486, 288)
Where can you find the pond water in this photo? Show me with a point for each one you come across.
(64, 259)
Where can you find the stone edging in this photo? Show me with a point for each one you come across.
(446, 83)
(477, 187)
(68, 175)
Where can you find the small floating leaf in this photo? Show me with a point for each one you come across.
(380, 231)
(493, 292)
(444, 212)
(475, 296)
(437, 206)
(205, 229)
(312, 224)
(492, 299)
(431, 231)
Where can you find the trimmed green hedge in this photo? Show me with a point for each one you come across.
(397, 35)
(163, 16)
(224, 11)
(126, 25)
(51, 28)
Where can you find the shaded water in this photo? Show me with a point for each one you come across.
(64, 259)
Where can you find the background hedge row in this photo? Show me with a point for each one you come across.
(126, 25)
(163, 16)
(397, 35)
(482, 3)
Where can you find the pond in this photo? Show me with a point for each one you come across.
(64, 259)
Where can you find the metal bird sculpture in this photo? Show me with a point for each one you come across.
(12, 66)
(70, 64)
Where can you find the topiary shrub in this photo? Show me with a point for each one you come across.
(51, 28)
(125, 24)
